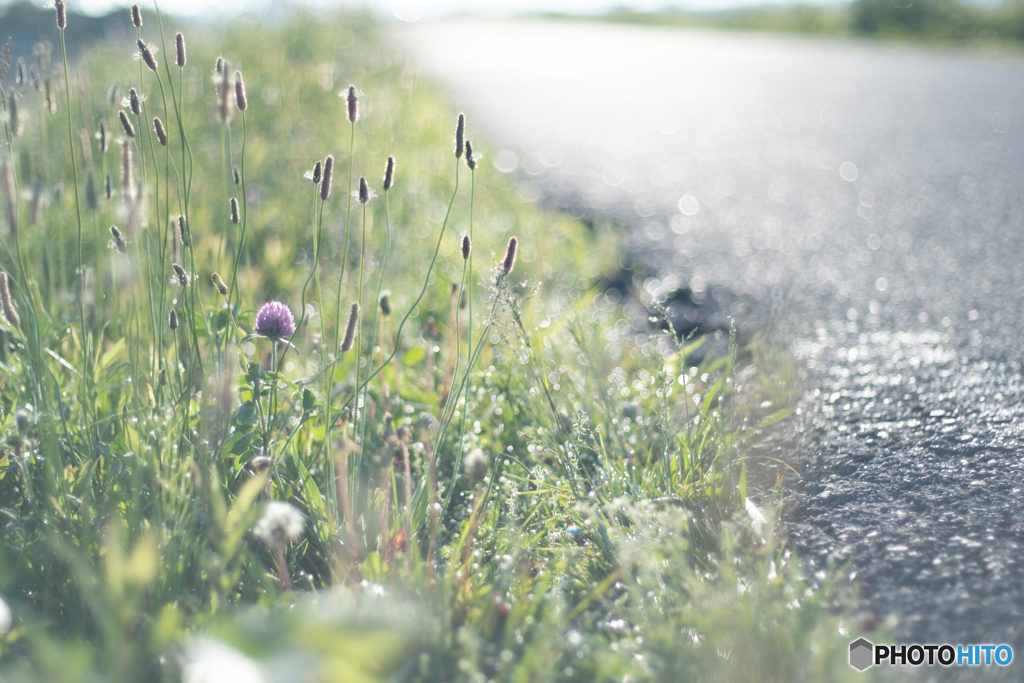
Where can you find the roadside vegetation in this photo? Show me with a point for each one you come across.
(295, 386)
(931, 21)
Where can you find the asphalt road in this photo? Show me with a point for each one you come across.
(861, 204)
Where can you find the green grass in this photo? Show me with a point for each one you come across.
(528, 490)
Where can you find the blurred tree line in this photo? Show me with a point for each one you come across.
(943, 20)
(927, 20)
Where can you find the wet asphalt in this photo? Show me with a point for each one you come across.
(859, 204)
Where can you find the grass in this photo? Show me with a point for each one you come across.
(521, 488)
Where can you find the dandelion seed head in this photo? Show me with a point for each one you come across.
(281, 523)
(476, 465)
(261, 463)
(206, 659)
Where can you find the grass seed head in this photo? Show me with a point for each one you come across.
(119, 242)
(350, 329)
(353, 104)
(389, 174)
(10, 312)
(162, 380)
(172, 320)
(510, 258)
(317, 168)
(62, 14)
(234, 210)
(126, 167)
(108, 188)
(147, 55)
(179, 49)
(182, 237)
(240, 99)
(364, 191)
(470, 160)
(12, 111)
(8, 192)
(223, 90)
(219, 284)
(325, 186)
(181, 274)
(161, 132)
(460, 136)
(134, 102)
(467, 247)
(136, 16)
(126, 123)
(236, 175)
(91, 198)
(385, 303)
(101, 135)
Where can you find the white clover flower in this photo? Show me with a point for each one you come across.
(281, 523)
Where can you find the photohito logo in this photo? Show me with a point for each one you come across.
(863, 654)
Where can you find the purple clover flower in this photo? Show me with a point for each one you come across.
(274, 321)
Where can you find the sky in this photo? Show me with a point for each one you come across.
(411, 10)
